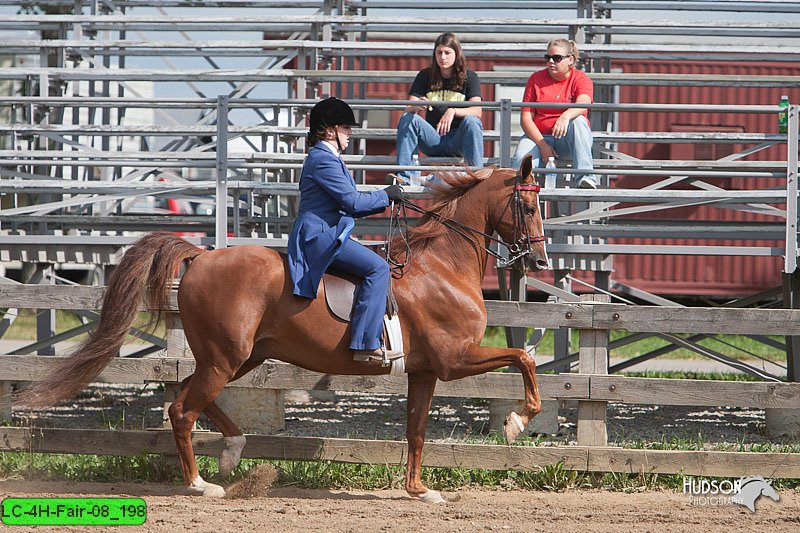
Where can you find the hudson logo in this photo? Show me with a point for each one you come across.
(743, 491)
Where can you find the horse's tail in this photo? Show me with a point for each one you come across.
(146, 271)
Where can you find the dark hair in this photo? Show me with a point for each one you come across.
(459, 76)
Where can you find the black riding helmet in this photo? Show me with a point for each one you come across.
(328, 113)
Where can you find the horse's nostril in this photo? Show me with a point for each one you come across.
(542, 264)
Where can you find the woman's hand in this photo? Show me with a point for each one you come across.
(546, 151)
(416, 108)
(443, 127)
(560, 127)
(395, 193)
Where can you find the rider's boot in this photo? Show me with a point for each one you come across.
(369, 356)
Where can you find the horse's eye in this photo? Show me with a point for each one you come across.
(529, 209)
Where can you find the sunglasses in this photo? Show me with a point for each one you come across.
(556, 58)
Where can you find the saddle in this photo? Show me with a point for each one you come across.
(340, 290)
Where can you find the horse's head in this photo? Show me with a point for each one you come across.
(751, 488)
(759, 486)
(521, 226)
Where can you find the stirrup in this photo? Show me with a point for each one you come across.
(395, 356)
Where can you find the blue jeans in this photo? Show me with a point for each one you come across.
(370, 299)
(575, 145)
(414, 133)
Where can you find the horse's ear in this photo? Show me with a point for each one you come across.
(525, 169)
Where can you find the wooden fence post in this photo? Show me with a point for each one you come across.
(6, 388)
(593, 359)
(786, 422)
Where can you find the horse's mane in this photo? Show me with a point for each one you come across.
(445, 201)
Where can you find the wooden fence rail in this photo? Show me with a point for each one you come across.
(590, 388)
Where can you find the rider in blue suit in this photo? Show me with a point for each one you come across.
(320, 237)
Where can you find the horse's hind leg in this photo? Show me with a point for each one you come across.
(234, 439)
(198, 394)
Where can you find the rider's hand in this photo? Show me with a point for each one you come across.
(395, 193)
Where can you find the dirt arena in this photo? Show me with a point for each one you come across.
(288, 509)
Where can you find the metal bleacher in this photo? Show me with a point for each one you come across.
(110, 107)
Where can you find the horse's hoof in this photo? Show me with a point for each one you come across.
(227, 464)
(432, 496)
(512, 427)
(230, 456)
(200, 487)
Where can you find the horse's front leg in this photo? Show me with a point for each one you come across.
(420, 394)
(477, 359)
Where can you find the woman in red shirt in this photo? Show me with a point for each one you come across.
(558, 132)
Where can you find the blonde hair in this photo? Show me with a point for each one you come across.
(567, 44)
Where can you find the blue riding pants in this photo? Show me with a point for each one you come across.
(370, 301)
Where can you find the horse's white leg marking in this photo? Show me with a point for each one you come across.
(432, 496)
(199, 487)
(229, 458)
(512, 427)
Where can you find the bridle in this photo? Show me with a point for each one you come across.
(522, 245)
(518, 248)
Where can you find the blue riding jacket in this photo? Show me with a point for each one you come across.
(329, 203)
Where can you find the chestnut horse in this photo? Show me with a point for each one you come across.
(237, 310)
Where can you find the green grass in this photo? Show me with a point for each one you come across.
(102, 468)
(674, 374)
(24, 326)
(747, 347)
(332, 475)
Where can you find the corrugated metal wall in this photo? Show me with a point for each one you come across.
(667, 275)
(702, 275)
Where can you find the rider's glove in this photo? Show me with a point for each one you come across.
(395, 193)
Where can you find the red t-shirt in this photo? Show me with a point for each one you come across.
(543, 88)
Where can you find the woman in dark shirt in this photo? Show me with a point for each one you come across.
(445, 131)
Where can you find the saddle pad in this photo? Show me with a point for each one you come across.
(340, 292)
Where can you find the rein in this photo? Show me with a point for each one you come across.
(516, 250)
(396, 228)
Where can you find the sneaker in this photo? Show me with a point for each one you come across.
(587, 183)
(392, 178)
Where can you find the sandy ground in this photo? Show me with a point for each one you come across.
(289, 509)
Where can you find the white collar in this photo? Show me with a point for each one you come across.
(332, 147)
